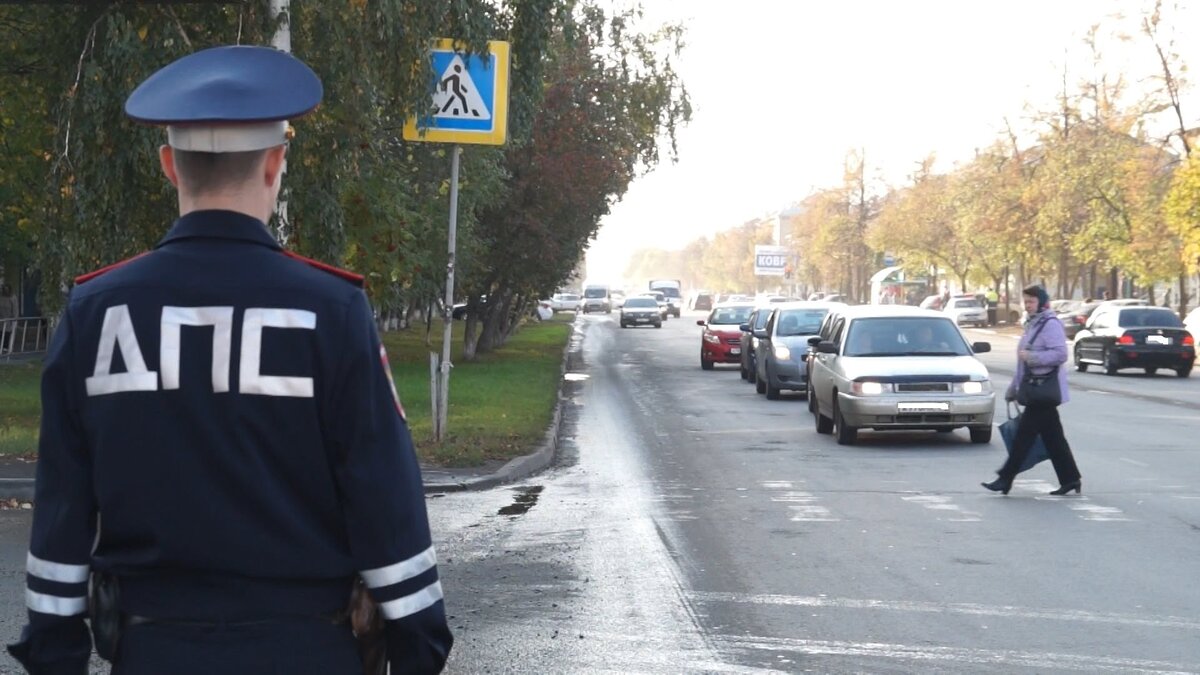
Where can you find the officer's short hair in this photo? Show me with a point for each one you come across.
(208, 172)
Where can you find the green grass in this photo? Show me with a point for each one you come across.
(20, 407)
(500, 404)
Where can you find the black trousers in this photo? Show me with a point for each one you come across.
(284, 647)
(1041, 421)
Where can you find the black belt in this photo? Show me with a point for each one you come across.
(335, 618)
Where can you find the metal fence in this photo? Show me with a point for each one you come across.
(24, 337)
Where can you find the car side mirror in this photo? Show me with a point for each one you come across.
(761, 334)
(981, 347)
(813, 341)
(701, 322)
(826, 347)
(745, 328)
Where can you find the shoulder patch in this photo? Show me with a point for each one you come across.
(84, 278)
(356, 279)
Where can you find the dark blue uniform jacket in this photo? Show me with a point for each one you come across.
(220, 430)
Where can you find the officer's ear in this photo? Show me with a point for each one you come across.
(166, 157)
(274, 164)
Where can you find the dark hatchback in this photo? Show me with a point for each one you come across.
(757, 321)
(1149, 338)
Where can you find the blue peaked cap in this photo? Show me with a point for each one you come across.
(227, 99)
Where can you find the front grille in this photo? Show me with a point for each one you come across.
(923, 387)
(733, 341)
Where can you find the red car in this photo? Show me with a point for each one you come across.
(721, 341)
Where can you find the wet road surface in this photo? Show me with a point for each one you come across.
(690, 525)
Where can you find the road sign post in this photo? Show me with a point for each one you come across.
(469, 105)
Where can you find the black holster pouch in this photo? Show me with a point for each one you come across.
(105, 615)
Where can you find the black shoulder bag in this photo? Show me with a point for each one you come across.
(1040, 391)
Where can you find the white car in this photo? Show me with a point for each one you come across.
(564, 302)
(966, 310)
(1192, 322)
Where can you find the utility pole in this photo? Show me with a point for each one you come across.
(282, 40)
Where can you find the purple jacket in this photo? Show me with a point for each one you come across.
(1047, 351)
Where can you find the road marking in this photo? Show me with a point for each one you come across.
(802, 504)
(1134, 462)
(782, 430)
(1039, 661)
(972, 609)
(1097, 512)
(943, 503)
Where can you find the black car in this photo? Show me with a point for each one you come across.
(641, 311)
(757, 321)
(1150, 338)
(703, 301)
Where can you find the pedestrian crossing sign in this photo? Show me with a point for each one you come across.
(470, 97)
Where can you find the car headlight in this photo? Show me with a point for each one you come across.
(870, 388)
(783, 353)
(710, 337)
(974, 386)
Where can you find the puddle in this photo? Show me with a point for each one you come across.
(576, 377)
(525, 499)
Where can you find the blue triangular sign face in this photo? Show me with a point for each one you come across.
(456, 96)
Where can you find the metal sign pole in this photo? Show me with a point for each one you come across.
(448, 311)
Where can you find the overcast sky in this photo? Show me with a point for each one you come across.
(782, 89)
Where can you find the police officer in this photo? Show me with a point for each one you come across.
(222, 449)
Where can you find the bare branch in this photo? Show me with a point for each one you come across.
(182, 32)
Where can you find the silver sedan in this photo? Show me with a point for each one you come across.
(890, 367)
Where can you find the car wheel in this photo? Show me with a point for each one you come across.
(1110, 363)
(824, 424)
(1184, 372)
(759, 385)
(658, 325)
(812, 399)
(706, 364)
(752, 373)
(743, 372)
(1151, 371)
(981, 435)
(772, 392)
(1079, 364)
(846, 434)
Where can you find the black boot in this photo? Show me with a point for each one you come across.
(999, 485)
(1076, 485)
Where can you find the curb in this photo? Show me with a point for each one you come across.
(436, 480)
(441, 481)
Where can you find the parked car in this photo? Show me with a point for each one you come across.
(782, 346)
(890, 367)
(1074, 317)
(617, 299)
(564, 302)
(641, 311)
(966, 309)
(721, 340)
(1127, 336)
(1192, 322)
(758, 319)
(702, 301)
(931, 302)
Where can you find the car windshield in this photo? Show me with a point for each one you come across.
(904, 336)
(1157, 318)
(966, 302)
(594, 293)
(641, 302)
(800, 321)
(669, 292)
(735, 316)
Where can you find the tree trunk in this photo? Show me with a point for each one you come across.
(1183, 292)
(1113, 291)
(470, 337)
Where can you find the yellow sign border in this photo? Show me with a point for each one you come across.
(499, 132)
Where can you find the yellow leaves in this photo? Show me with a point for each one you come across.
(142, 32)
(358, 4)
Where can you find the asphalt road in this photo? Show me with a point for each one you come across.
(693, 526)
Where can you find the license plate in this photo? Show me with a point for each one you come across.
(922, 406)
(735, 350)
(642, 320)
(1158, 340)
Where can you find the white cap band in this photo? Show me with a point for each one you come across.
(227, 137)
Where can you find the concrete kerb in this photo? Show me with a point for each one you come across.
(437, 480)
(440, 480)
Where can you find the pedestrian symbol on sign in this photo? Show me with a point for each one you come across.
(457, 94)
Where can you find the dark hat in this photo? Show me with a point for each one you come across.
(1040, 293)
(227, 99)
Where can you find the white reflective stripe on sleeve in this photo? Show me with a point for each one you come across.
(411, 604)
(52, 571)
(53, 604)
(405, 569)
